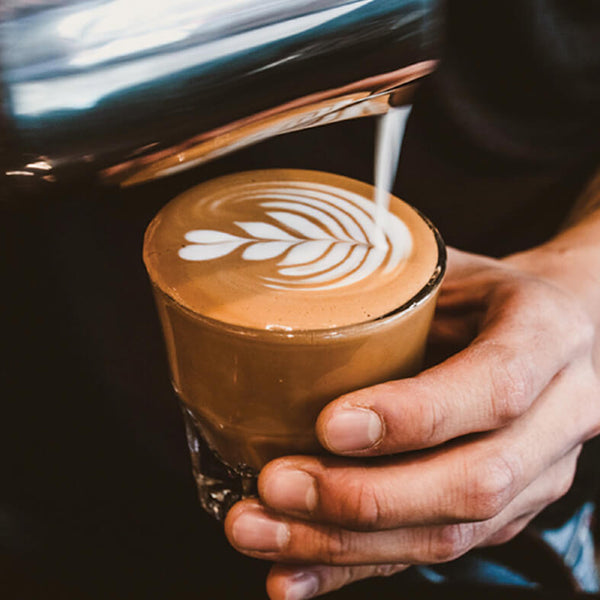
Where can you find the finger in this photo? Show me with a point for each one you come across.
(260, 533)
(289, 582)
(256, 531)
(286, 582)
(529, 336)
(469, 480)
(552, 485)
(509, 531)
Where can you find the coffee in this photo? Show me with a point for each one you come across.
(277, 294)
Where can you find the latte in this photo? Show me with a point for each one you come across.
(290, 250)
(277, 294)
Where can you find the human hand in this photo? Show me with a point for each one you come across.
(463, 455)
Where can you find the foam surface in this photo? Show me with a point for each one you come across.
(288, 249)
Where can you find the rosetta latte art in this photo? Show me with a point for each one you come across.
(324, 237)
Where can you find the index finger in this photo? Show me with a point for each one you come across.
(529, 335)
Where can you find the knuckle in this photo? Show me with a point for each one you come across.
(511, 384)
(555, 307)
(368, 508)
(549, 308)
(507, 533)
(591, 425)
(333, 547)
(429, 423)
(588, 332)
(563, 487)
(491, 486)
(581, 330)
(591, 401)
(352, 573)
(448, 542)
(566, 480)
(360, 506)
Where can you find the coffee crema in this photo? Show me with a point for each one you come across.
(289, 250)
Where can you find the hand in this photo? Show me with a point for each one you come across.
(463, 455)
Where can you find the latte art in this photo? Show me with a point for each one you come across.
(324, 237)
(288, 250)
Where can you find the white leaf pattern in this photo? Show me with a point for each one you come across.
(317, 214)
(265, 250)
(210, 236)
(344, 267)
(325, 237)
(306, 252)
(336, 255)
(300, 224)
(264, 231)
(199, 252)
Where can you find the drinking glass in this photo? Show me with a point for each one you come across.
(251, 395)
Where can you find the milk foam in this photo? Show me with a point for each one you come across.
(330, 238)
(287, 250)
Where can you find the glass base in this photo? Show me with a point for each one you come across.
(219, 485)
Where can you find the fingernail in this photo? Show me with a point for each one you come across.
(351, 430)
(302, 585)
(292, 490)
(253, 530)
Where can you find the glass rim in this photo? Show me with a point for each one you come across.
(339, 330)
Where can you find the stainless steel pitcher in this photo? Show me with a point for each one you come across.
(126, 91)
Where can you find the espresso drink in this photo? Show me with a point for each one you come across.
(277, 293)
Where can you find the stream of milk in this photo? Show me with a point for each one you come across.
(388, 141)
